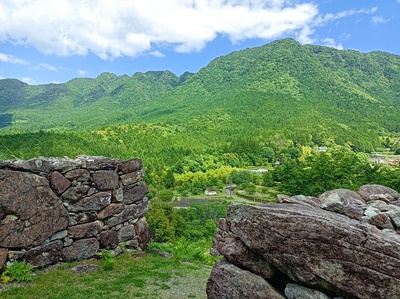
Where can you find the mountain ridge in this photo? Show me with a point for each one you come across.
(271, 87)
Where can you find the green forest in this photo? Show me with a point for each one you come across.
(311, 115)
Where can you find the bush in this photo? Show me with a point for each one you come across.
(18, 271)
(165, 194)
(183, 249)
(108, 259)
(166, 223)
(241, 177)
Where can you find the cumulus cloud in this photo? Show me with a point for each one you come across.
(304, 36)
(379, 20)
(11, 59)
(330, 42)
(28, 80)
(128, 28)
(157, 54)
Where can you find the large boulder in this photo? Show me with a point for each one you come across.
(30, 212)
(378, 192)
(231, 282)
(343, 201)
(323, 250)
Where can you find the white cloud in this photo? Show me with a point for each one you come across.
(28, 80)
(11, 59)
(330, 42)
(379, 20)
(46, 66)
(128, 28)
(304, 35)
(330, 17)
(157, 54)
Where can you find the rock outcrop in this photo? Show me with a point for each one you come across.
(61, 209)
(342, 244)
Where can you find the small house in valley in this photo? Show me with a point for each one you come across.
(210, 192)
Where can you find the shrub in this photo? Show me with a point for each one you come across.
(108, 259)
(17, 271)
(165, 195)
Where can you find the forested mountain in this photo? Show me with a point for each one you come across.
(309, 94)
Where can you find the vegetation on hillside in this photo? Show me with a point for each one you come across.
(310, 115)
(308, 94)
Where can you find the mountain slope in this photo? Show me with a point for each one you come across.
(300, 91)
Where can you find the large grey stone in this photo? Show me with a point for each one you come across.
(58, 182)
(108, 239)
(99, 162)
(105, 179)
(36, 165)
(81, 249)
(86, 230)
(132, 177)
(394, 217)
(111, 210)
(321, 249)
(135, 193)
(75, 193)
(378, 192)
(234, 250)
(83, 217)
(30, 212)
(381, 221)
(230, 282)
(239, 254)
(299, 199)
(64, 164)
(126, 233)
(44, 255)
(142, 230)
(130, 212)
(343, 201)
(131, 165)
(79, 175)
(295, 291)
(95, 202)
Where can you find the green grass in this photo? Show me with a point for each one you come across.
(133, 276)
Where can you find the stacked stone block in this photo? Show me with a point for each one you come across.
(61, 209)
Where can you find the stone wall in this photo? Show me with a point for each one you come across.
(343, 244)
(61, 209)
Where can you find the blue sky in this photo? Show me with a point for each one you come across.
(45, 41)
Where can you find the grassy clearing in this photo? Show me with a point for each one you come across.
(135, 275)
